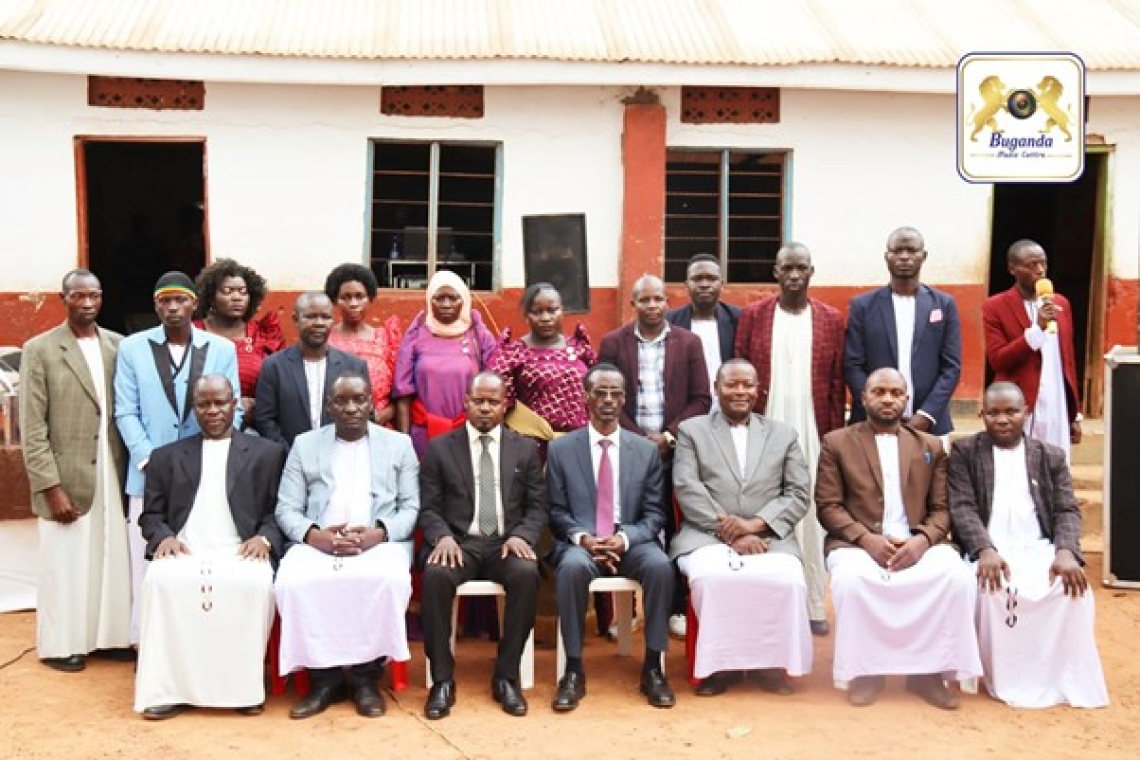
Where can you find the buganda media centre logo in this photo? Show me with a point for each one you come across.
(1021, 117)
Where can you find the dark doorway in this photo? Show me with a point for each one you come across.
(1067, 219)
(142, 213)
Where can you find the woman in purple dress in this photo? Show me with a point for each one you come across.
(544, 369)
(444, 347)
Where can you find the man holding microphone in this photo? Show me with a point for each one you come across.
(1029, 342)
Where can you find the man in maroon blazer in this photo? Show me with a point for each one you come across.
(667, 382)
(800, 370)
(1029, 342)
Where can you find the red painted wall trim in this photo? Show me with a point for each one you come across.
(643, 212)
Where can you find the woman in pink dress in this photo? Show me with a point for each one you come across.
(352, 288)
(544, 369)
(444, 347)
(229, 294)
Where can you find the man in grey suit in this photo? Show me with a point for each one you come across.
(348, 503)
(742, 484)
(606, 490)
(294, 383)
(75, 459)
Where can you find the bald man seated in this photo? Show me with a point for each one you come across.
(904, 600)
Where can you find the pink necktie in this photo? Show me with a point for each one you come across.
(604, 526)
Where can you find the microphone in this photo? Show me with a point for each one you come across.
(1044, 288)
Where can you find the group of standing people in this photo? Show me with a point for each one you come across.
(720, 429)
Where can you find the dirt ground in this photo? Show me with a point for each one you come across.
(46, 714)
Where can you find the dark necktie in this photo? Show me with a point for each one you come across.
(605, 518)
(488, 521)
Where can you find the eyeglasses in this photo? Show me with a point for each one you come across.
(1010, 606)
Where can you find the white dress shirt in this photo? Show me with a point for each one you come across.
(615, 465)
(904, 331)
(895, 523)
(315, 379)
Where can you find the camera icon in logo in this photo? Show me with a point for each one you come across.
(1021, 104)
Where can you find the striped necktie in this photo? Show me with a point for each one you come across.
(488, 520)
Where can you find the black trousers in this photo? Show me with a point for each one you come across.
(482, 560)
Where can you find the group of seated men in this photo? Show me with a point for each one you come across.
(339, 511)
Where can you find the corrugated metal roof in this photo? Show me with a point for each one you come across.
(905, 33)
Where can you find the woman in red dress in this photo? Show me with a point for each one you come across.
(229, 294)
(352, 288)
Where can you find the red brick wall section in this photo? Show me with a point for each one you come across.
(643, 211)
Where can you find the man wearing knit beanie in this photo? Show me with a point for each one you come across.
(154, 373)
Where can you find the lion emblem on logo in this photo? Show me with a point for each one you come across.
(1049, 91)
(994, 97)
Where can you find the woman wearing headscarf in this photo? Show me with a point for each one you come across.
(444, 347)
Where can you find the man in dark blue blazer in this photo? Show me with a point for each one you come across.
(294, 383)
(703, 281)
(606, 510)
(926, 349)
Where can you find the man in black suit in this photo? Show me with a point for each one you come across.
(294, 383)
(482, 509)
(706, 316)
(207, 601)
(606, 525)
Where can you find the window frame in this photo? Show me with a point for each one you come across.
(431, 263)
(724, 218)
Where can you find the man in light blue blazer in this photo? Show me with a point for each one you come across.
(911, 327)
(154, 372)
(348, 504)
(606, 492)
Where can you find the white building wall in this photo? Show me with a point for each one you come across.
(288, 172)
(862, 165)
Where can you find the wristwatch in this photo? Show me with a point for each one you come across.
(669, 439)
(266, 541)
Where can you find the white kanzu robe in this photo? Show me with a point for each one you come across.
(753, 611)
(1038, 646)
(790, 402)
(205, 616)
(83, 592)
(913, 621)
(339, 611)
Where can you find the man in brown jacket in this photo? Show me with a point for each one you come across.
(904, 600)
(74, 458)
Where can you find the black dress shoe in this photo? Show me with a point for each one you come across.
(656, 688)
(441, 698)
(250, 710)
(368, 700)
(72, 664)
(508, 694)
(117, 654)
(317, 702)
(712, 686)
(164, 712)
(571, 690)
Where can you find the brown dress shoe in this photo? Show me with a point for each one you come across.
(774, 681)
(933, 691)
(864, 690)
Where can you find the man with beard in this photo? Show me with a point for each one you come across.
(904, 600)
